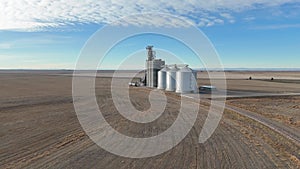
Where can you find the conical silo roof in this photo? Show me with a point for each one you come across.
(165, 69)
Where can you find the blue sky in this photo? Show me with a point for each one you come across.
(246, 34)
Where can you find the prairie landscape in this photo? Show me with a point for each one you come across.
(111, 84)
(40, 129)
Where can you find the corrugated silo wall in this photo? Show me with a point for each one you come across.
(155, 77)
(162, 78)
(152, 77)
(152, 72)
(194, 81)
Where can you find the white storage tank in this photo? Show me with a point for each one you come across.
(186, 79)
(162, 78)
(171, 79)
(194, 81)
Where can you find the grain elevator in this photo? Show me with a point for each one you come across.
(177, 78)
(153, 65)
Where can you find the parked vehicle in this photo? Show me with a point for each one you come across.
(207, 89)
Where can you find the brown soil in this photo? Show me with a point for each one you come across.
(40, 129)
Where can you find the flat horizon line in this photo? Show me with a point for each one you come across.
(199, 69)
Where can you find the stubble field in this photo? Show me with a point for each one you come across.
(40, 129)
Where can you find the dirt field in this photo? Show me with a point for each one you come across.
(40, 129)
(261, 81)
(285, 110)
(255, 75)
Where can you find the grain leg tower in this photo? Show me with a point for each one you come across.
(153, 65)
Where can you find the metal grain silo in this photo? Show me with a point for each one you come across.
(171, 79)
(184, 80)
(194, 81)
(162, 78)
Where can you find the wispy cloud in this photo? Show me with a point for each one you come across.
(249, 18)
(26, 61)
(43, 14)
(4, 57)
(228, 16)
(281, 26)
(5, 45)
(37, 41)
